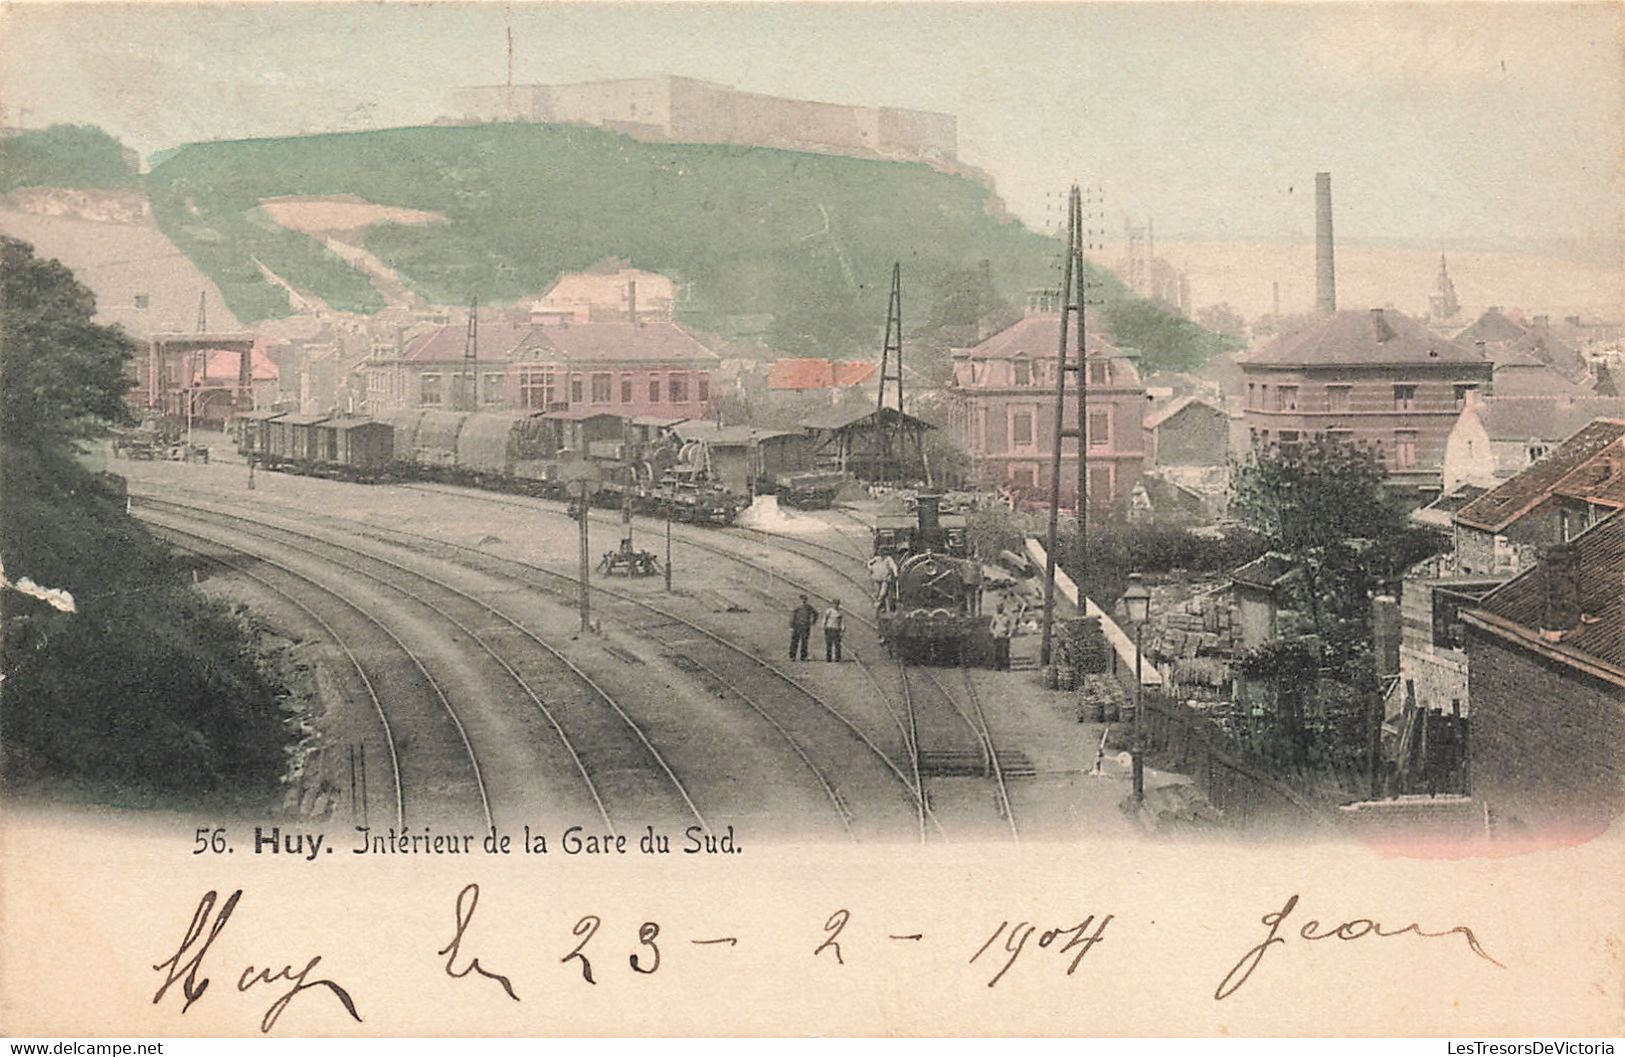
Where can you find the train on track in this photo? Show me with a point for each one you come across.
(697, 472)
(929, 609)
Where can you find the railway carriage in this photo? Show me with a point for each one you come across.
(534, 454)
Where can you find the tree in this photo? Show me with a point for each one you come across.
(1222, 319)
(1324, 504)
(64, 376)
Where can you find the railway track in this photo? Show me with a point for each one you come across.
(793, 725)
(608, 754)
(398, 691)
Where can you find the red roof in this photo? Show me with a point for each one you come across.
(803, 374)
(1357, 338)
(1516, 496)
(222, 365)
(575, 343)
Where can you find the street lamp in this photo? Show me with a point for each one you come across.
(1137, 604)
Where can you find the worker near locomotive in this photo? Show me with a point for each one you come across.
(930, 610)
(802, 618)
(834, 625)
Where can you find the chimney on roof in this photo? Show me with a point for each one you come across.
(1561, 611)
(1542, 322)
(632, 300)
(1379, 323)
(1325, 273)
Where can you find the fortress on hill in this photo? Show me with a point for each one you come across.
(684, 110)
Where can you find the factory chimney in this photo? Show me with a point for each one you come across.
(1325, 274)
(632, 300)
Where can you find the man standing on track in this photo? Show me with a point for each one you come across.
(802, 618)
(834, 624)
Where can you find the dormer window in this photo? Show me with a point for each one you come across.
(1022, 371)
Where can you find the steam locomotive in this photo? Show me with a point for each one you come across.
(930, 602)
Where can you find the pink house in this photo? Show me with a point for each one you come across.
(1002, 401)
(630, 369)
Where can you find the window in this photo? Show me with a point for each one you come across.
(1537, 452)
(491, 391)
(1286, 398)
(654, 389)
(575, 389)
(678, 386)
(703, 382)
(535, 389)
(600, 388)
(1023, 372)
(1340, 436)
(1097, 373)
(429, 394)
(142, 300)
(1100, 485)
(1024, 473)
(1252, 395)
(1021, 429)
(1404, 448)
(626, 388)
(1288, 441)
(1337, 397)
(1404, 398)
(1461, 395)
(1100, 428)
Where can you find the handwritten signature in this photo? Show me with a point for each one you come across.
(1003, 947)
(1353, 929)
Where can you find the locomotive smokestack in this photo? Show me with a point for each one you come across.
(1325, 273)
(929, 510)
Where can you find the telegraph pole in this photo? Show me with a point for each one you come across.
(586, 562)
(891, 370)
(1071, 290)
(471, 356)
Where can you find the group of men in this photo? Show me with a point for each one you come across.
(802, 619)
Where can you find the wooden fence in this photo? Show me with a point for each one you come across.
(1178, 738)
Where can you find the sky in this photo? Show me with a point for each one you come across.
(1448, 125)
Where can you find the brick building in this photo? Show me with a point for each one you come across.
(655, 369)
(1551, 502)
(1001, 404)
(1546, 671)
(1187, 431)
(1499, 436)
(1377, 377)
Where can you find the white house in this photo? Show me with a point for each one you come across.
(1496, 437)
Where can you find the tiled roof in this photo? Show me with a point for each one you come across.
(1266, 570)
(1600, 576)
(1038, 337)
(221, 365)
(803, 374)
(576, 343)
(1358, 337)
(653, 342)
(1546, 418)
(1491, 327)
(1515, 497)
(1175, 406)
(1530, 377)
(498, 342)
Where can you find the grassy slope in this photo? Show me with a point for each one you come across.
(744, 229)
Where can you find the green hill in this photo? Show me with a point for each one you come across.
(80, 156)
(805, 239)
